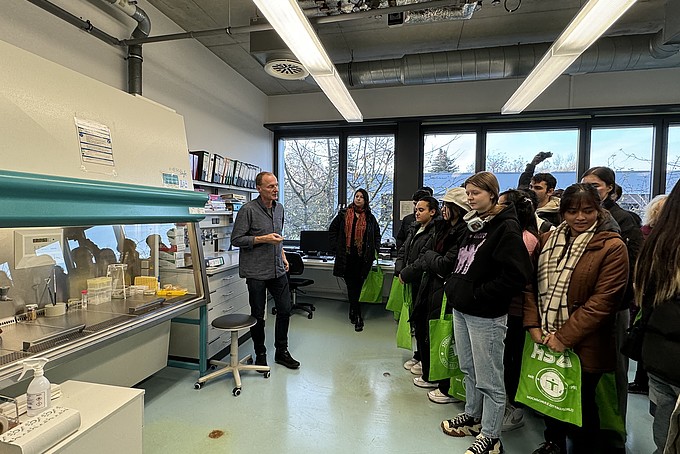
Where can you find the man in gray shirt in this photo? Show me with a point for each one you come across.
(262, 262)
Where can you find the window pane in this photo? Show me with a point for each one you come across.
(370, 165)
(627, 151)
(673, 163)
(310, 183)
(508, 153)
(449, 160)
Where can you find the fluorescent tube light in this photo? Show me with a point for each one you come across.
(295, 30)
(337, 93)
(589, 24)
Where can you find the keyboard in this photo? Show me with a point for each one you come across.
(319, 257)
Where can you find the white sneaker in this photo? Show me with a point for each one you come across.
(410, 363)
(420, 383)
(439, 397)
(513, 418)
(417, 368)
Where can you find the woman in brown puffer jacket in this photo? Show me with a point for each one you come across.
(581, 278)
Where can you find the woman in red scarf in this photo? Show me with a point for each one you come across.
(355, 235)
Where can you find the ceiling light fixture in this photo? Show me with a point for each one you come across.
(589, 24)
(295, 30)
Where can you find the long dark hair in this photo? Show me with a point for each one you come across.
(658, 265)
(605, 174)
(525, 208)
(365, 194)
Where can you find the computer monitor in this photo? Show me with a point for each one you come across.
(315, 242)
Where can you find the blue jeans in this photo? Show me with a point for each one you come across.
(480, 347)
(257, 297)
(664, 396)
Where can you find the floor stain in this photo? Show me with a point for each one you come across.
(215, 434)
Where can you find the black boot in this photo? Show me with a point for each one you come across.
(359, 325)
(352, 317)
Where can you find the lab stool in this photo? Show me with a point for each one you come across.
(233, 323)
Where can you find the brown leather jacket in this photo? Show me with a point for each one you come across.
(597, 285)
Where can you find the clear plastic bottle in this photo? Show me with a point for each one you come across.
(38, 394)
(83, 299)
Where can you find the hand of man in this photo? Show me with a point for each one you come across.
(271, 238)
(540, 157)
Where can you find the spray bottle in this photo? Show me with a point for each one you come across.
(38, 396)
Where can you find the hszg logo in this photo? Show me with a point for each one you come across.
(551, 383)
(447, 355)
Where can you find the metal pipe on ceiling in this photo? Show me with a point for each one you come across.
(84, 25)
(619, 53)
(313, 20)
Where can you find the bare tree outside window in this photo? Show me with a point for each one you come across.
(445, 155)
(310, 183)
(370, 165)
(627, 151)
(673, 160)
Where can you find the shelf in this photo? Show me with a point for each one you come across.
(219, 213)
(224, 186)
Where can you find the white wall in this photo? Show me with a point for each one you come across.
(633, 88)
(223, 113)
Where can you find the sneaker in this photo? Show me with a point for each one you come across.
(420, 383)
(513, 418)
(485, 445)
(417, 369)
(461, 426)
(637, 388)
(439, 397)
(283, 357)
(261, 360)
(548, 447)
(410, 363)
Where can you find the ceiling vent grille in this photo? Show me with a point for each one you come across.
(286, 69)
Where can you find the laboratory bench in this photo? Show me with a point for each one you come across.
(119, 324)
(332, 287)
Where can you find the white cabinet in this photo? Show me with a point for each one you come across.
(228, 295)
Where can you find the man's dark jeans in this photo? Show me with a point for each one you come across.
(257, 296)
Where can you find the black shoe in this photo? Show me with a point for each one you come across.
(359, 325)
(548, 448)
(261, 360)
(352, 317)
(637, 388)
(283, 357)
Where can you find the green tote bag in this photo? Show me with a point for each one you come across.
(550, 382)
(404, 328)
(371, 290)
(396, 298)
(443, 359)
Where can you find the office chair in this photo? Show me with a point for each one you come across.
(295, 268)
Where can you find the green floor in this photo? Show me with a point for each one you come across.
(351, 395)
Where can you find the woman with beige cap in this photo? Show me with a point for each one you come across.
(437, 261)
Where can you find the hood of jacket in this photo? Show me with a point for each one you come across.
(553, 206)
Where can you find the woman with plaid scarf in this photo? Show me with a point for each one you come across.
(581, 278)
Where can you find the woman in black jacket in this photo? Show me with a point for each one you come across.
(604, 180)
(491, 268)
(410, 271)
(657, 290)
(355, 237)
(437, 262)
